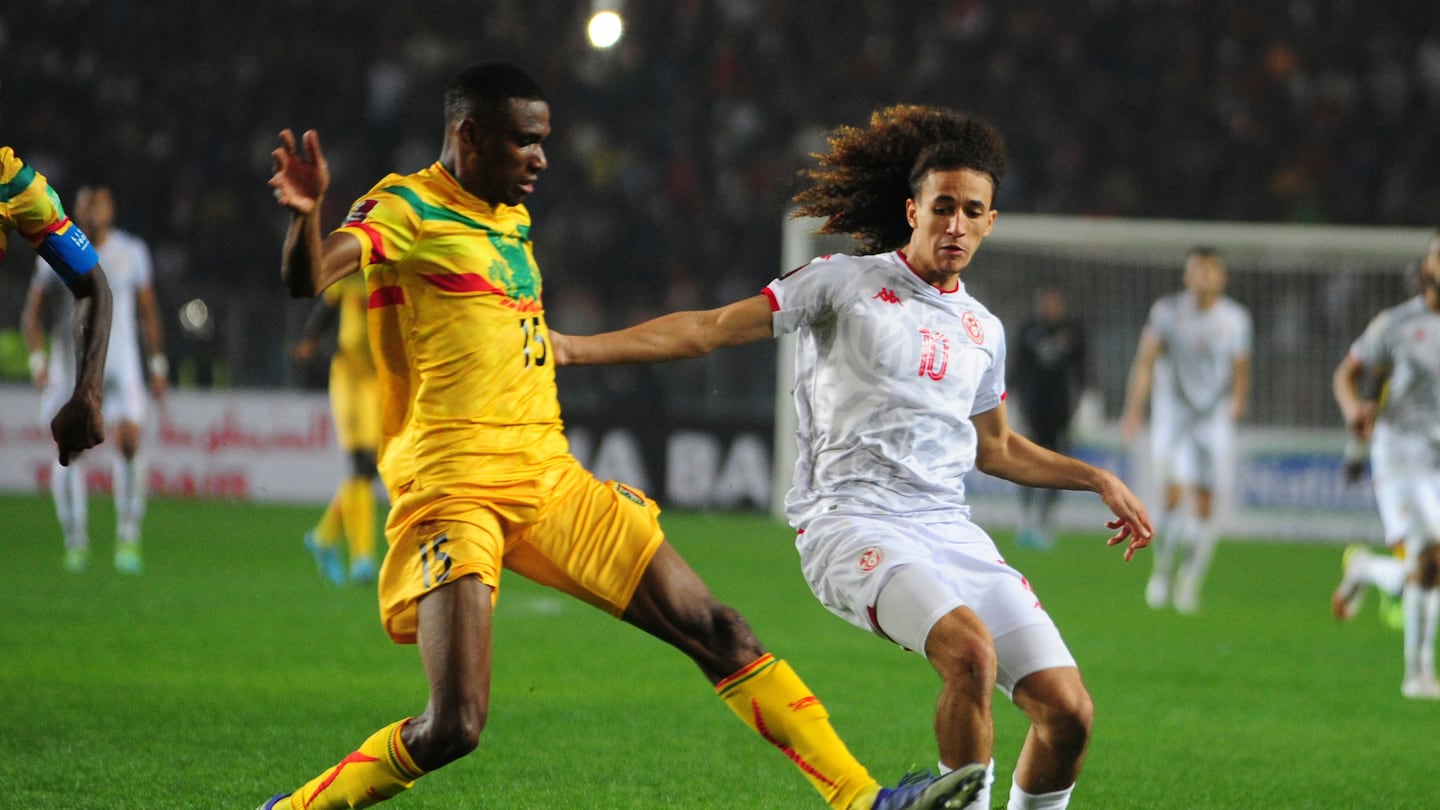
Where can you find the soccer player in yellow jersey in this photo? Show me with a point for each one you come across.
(478, 469)
(28, 205)
(355, 403)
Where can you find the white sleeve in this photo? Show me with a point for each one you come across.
(991, 390)
(807, 294)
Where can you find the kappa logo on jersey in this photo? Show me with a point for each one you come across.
(361, 210)
(973, 329)
(888, 296)
(869, 560)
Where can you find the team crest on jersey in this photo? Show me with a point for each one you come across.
(869, 560)
(973, 329)
(361, 210)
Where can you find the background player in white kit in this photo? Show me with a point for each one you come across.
(135, 319)
(1402, 346)
(1193, 367)
(900, 392)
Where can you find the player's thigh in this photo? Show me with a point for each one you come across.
(897, 577)
(592, 539)
(1021, 655)
(434, 540)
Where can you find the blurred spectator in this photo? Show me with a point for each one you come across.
(683, 141)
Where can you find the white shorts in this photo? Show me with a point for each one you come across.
(1192, 452)
(1407, 491)
(849, 560)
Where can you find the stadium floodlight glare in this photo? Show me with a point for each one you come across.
(605, 29)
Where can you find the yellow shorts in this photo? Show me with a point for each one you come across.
(355, 404)
(558, 526)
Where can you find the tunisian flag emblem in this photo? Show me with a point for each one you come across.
(973, 329)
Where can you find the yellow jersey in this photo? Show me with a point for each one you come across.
(467, 385)
(352, 303)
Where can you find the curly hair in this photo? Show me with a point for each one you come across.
(862, 183)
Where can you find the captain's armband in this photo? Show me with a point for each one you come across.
(68, 252)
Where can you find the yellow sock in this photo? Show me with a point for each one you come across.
(328, 530)
(381, 768)
(357, 515)
(777, 705)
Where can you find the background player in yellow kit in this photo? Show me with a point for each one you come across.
(355, 405)
(28, 205)
(479, 471)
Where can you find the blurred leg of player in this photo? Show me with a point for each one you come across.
(1205, 465)
(1171, 527)
(128, 483)
(323, 541)
(1421, 605)
(1168, 460)
(357, 514)
(1199, 543)
(125, 407)
(67, 487)
(1359, 567)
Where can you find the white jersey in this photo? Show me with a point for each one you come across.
(126, 260)
(889, 371)
(1405, 340)
(1195, 373)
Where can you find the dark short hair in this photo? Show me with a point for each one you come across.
(487, 87)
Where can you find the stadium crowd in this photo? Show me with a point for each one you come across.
(675, 152)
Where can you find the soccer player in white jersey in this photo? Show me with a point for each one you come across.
(135, 320)
(1402, 346)
(900, 391)
(1193, 367)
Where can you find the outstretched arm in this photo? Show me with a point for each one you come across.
(676, 336)
(1137, 394)
(1003, 453)
(79, 424)
(308, 265)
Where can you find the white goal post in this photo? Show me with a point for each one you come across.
(1310, 288)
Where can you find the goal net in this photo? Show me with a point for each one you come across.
(1310, 290)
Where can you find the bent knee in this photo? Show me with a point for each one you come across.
(1063, 716)
(961, 650)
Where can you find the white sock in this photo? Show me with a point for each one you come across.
(1203, 538)
(129, 488)
(1430, 614)
(982, 798)
(1020, 800)
(1412, 603)
(1169, 528)
(67, 487)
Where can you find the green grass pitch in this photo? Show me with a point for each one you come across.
(229, 671)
